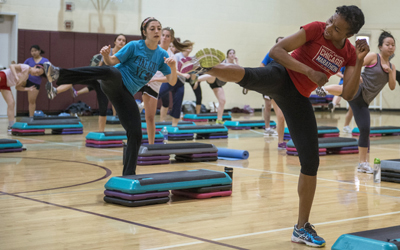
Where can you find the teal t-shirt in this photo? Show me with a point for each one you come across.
(139, 64)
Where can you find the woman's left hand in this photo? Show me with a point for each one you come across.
(170, 62)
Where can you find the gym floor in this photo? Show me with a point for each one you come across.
(51, 195)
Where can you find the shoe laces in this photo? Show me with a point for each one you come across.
(309, 228)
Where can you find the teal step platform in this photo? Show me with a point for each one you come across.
(136, 184)
(206, 116)
(161, 125)
(200, 129)
(116, 135)
(112, 120)
(248, 124)
(384, 130)
(377, 239)
(332, 142)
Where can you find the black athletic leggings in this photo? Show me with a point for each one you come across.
(273, 80)
(198, 94)
(362, 118)
(102, 99)
(112, 85)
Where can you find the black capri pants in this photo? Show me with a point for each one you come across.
(362, 118)
(112, 85)
(273, 80)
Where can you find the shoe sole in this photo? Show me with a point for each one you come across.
(205, 58)
(300, 241)
(209, 58)
(49, 87)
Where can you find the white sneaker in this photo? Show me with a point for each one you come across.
(270, 132)
(364, 167)
(140, 106)
(347, 129)
(321, 91)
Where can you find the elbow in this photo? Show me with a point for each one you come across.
(273, 53)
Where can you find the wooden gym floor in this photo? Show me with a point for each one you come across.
(51, 195)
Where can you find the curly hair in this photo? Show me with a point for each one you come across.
(353, 16)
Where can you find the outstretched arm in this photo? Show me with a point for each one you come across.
(280, 54)
(14, 69)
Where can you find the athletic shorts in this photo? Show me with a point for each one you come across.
(29, 84)
(149, 91)
(3, 81)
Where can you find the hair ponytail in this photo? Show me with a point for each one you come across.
(178, 45)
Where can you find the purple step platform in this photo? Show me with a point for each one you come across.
(135, 197)
(201, 195)
(10, 150)
(91, 145)
(104, 142)
(153, 157)
(155, 162)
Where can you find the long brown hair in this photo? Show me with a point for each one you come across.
(178, 45)
(144, 25)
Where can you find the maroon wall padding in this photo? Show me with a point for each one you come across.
(66, 50)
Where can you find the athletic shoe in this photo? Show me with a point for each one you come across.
(347, 129)
(282, 145)
(331, 106)
(270, 132)
(51, 91)
(73, 92)
(192, 82)
(51, 71)
(307, 235)
(219, 122)
(364, 167)
(140, 106)
(321, 91)
(203, 61)
(9, 129)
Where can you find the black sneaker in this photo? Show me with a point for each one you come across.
(307, 235)
(51, 91)
(51, 71)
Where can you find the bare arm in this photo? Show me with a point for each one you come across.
(280, 54)
(352, 74)
(14, 68)
(392, 77)
(171, 78)
(262, 65)
(108, 60)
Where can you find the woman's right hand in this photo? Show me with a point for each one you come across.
(318, 77)
(105, 51)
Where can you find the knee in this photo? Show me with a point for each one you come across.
(311, 166)
(364, 130)
(150, 119)
(11, 104)
(222, 101)
(32, 102)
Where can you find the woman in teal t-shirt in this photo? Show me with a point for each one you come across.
(135, 64)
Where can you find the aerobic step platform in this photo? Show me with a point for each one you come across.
(112, 120)
(316, 99)
(377, 239)
(204, 117)
(379, 131)
(323, 132)
(202, 132)
(160, 153)
(161, 125)
(144, 183)
(390, 170)
(114, 139)
(139, 190)
(9, 146)
(58, 124)
(239, 125)
(330, 145)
